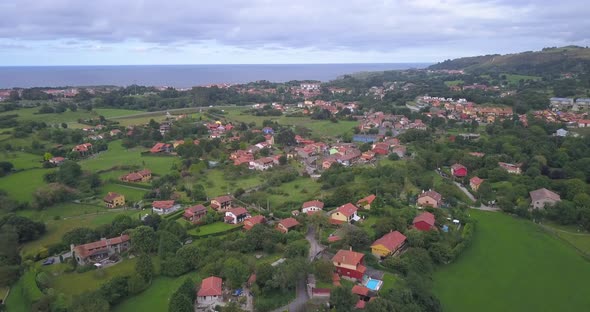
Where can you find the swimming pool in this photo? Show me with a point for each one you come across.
(373, 284)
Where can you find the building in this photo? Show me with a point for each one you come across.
(210, 292)
(287, 224)
(475, 183)
(163, 207)
(561, 103)
(542, 197)
(389, 244)
(312, 206)
(264, 163)
(144, 175)
(561, 132)
(424, 221)
(99, 250)
(113, 200)
(366, 202)
(222, 203)
(236, 215)
(344, 214)
(458, 170)
(251, 222)
(349, 264)
(511, 168)
(56, 161)
(161, 148)
(429, 198)
(83, 149)
(195, 213)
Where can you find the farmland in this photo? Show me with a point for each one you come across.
(21, 185)
(515, 260)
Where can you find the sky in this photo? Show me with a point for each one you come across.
(138, 32)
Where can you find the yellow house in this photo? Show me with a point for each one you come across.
(344, 214)
(389, 244)
(113, 200)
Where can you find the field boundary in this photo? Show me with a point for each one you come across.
(551, 231)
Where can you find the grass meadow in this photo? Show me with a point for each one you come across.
(21, 185)
(513, 265)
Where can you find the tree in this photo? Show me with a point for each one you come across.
(235, 271)
(286, 137)
(136, 284)
(342, 299)
(47, 156)
(298, 248)
(115, 290)
(80, 236)
(356, 237)
(26, 229)
(89, 302)
(282, 160)
(323, 270)
(69, 173)
(144, 239)
(191, 256)
(144, 267)
(180, 303)
(168, 245)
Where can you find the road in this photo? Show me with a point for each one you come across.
(298, 305)
(462, 188)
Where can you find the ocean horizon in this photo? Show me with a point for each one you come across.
(180, 76)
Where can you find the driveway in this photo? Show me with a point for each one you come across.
(464, 190)
(315, 247)
(297, 305)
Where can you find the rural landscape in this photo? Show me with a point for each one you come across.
(462, 186)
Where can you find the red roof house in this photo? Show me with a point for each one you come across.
(344, 214)
(312, 206)
(349, 264)
(210, 290)
(430, 198)
(458, 170)
(475, 182)
(388, 244)
(366, 202)
(250, 223)
(195, 213)
(424, 221)
(286, 224)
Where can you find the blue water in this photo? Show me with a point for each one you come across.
(179, 75)
(372, 284)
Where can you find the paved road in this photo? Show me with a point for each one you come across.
(314, 246)
(464, 190)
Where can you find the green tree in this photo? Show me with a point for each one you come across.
(69, 173)
(89, 302)
(144, 239)
(323, 270)
(168, 245)
(144, 267)
(342, 299)
(235, 271)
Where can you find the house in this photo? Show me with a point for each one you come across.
(83, 149)
(584, 123)
(113, 200)
(349, 264)
(115, 132)
(344, 214)
(57, 161)
(222, 203)
(163, 207)
(511, 168)
(210, 291)
(135, 177)
(458, 170)
(429, 198)
(389, 244)
(400, 150)
(424, 221)
(475, 182)
(286, 224)
(195, 213)
(542, 197)
(561, 132)
(366, 202)
(99, 250)
(312, 206)
(264, 163)
(161, 148)
(236, 215)
(251, 222)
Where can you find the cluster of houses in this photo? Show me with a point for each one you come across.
(579, 104)
(461, 109)
(569, 118)
(388, 122)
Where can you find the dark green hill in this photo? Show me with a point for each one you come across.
(547, 61)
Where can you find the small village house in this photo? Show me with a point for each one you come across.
(475, 183)
(113, 200)
(349, 264)
(312, 206)
(344, 214)
(99, 250)
(251, 222)
(424, 221)
(222, 203)
(511, 168)
(83, 149)
(210, 291)
(366, 202)
(543, 197)
(287, 224)
(429, 198)
(195, 214)
(56, 161)
(144, 175)
(389, 244)
(161, 148)
(458, 170)
(164, 207)
(236, 215)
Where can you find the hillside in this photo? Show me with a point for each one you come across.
(546, 61)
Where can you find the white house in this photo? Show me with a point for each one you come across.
(236, 215)
(163, 207)
(262, 164)
(312, 206)
(210, 292)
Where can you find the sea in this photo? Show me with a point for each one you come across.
(180, 76)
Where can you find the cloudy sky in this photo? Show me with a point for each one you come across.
(115, 32)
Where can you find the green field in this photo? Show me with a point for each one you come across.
(453, 82)
(212, 228)
(514, 79)
(117, 155)
(299, 190)
(21, 185)
(68, 116)
(216, 184)
(131, 194)
(16, 301)
(156, 297)
(141, 118)
(513, 265)
(22, 160)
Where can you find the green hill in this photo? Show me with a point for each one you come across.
(572, 59)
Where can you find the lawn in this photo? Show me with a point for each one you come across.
(514, 79)
(21, 185)
(72, 284)
(22, 160)
(453, 82)
(117, 155)
(389, 281)
(216, 184)
(131, 194)
(16, 301)
(156, 297)
(572, 235)
(299, 190)
(212, 228)
(513, 265)
(68, 116)
(141, 118)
